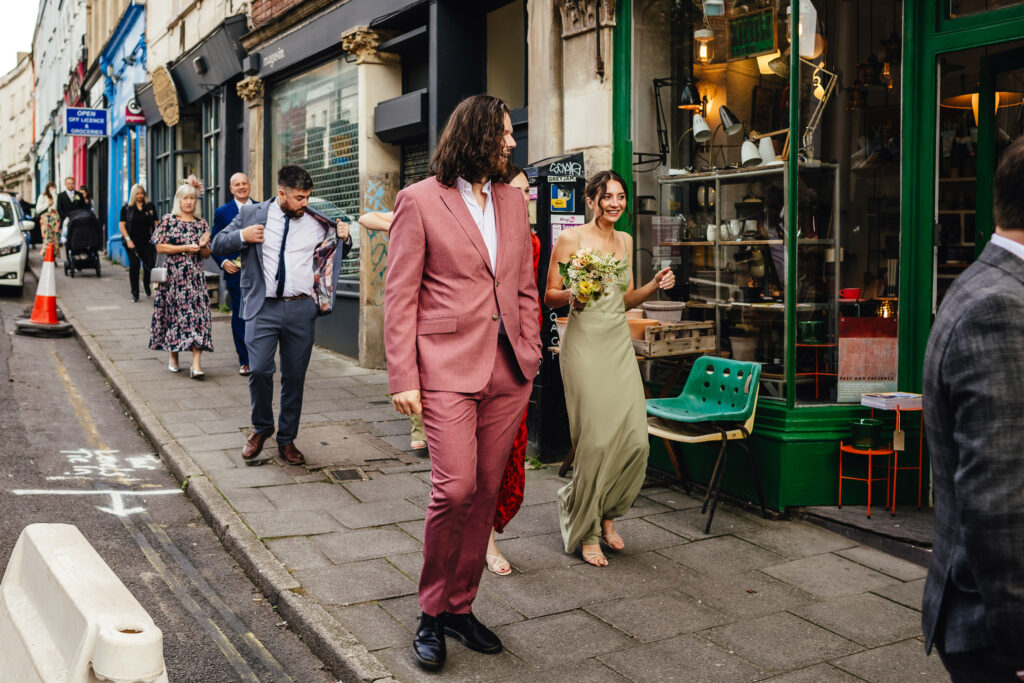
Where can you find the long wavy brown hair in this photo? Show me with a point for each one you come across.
(471, 144)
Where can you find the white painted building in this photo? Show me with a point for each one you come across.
(16, 128)
(59, 55)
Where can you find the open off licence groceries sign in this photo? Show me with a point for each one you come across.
(87, 122)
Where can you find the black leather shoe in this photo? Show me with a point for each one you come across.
(471, 633)
(428, 646)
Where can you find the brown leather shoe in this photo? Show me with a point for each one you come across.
(291, 454)
(253, 445)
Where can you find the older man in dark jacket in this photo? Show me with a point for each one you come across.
(974, 407)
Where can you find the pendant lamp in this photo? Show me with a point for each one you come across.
(730, 123)
(749, 154)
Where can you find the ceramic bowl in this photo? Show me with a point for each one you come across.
(664, 311)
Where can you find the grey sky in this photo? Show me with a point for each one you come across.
(18, 23)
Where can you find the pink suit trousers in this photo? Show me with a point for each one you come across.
(469, 437)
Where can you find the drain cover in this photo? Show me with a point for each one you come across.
(347, 474)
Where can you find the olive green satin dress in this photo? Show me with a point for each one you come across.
(604, 395)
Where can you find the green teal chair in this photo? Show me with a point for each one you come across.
(717, 404)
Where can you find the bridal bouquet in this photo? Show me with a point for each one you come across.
(589, 275)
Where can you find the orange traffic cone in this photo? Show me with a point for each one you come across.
(44, 319)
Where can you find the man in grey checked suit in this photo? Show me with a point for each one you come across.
(974, 408)
(288, 262)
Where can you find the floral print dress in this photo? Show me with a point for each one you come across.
(181, 308)
(49, 225)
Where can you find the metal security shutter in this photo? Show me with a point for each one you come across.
(314, 125)
(415, 161)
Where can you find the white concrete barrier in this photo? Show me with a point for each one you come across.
(65, 616)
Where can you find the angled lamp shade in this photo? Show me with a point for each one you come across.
(970, 101)
(690, 97)
(701, 131)
(749, 154)
(730, 123)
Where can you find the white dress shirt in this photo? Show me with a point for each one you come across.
(304, 234)
(485, 221)
(484, 217)
(1015, 248)
(70, 194)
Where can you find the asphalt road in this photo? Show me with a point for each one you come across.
(65, 439)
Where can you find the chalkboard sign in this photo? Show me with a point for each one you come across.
(752, 34)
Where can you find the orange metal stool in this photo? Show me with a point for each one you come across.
(871, 453)
(896, 468)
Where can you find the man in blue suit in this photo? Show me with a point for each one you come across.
(222, 217)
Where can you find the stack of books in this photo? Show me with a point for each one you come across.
(891, 400)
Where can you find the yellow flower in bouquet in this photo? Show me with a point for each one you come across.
(589, 275)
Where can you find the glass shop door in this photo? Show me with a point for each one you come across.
(980, 112)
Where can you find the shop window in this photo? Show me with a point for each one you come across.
(211, 156)
(314, 124)
(188, 149)
(717, 162)
(963, 8)
(162, 190)
(720, 220)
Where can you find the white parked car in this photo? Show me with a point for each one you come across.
(13, 245)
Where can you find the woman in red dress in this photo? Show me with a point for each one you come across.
(510, 496)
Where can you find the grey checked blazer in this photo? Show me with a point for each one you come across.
(251, 280)
(974, 414)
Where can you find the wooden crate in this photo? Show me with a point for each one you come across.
(676, 338)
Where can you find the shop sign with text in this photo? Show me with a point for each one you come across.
(86, 122)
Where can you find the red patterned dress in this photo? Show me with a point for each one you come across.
(510, 495)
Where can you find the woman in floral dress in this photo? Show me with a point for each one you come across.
(49, 221)
(181, 308)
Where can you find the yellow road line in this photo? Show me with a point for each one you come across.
(77, 402)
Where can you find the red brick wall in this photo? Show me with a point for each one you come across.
(265, 11)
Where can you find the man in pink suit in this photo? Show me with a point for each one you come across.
(463, 346)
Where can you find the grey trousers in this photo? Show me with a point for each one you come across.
(288, 324)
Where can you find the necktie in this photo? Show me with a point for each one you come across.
(280, 258)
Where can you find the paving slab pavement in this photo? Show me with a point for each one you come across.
(753, 600)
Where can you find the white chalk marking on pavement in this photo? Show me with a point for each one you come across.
(116, 508)
(104, 463)
(102, 308)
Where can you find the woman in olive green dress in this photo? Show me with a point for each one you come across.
(604, 393)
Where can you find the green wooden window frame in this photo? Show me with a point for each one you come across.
(928, 34)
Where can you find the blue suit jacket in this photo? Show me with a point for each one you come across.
(222, 218)
(327, 260)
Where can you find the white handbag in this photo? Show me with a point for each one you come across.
(158, 275)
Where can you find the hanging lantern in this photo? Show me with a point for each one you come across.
(892, 58)
(703, 45)
(856, 101)
(807, 30)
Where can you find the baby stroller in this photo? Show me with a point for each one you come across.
(84, 241)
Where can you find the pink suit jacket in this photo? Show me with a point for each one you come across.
(443, 302)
